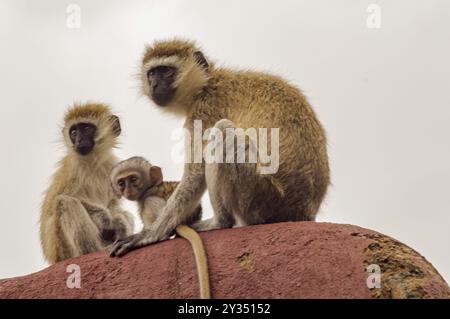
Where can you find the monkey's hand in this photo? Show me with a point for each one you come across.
(144, 238)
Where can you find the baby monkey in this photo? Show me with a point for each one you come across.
(138, 180)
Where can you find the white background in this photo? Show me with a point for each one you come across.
(382, 94)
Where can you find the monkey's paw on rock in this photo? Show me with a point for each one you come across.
(284, 260)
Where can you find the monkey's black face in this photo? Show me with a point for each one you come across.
(160, 80)
(130, 187)
(82, 136)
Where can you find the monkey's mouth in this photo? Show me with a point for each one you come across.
(84, 150)
(163, 97)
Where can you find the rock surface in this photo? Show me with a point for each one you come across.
(284, 260)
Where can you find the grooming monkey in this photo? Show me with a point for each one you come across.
(178, 78)
(137, 180)
(80, 213)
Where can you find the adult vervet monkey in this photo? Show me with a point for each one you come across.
(80, 213)
(179, 79)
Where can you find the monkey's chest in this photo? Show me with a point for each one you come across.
(97, 189)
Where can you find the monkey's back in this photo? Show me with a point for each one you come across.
(49, 228)
(259, 100)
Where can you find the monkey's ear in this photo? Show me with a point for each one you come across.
(200, 58)
(116, 125)
(156, 175)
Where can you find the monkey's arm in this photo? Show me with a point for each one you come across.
(153, 206)
(79, 233)
(180, 206)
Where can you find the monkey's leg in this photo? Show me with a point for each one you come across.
(178, 210)
(80, 233)
(198, 212)
(239, 188)
(222, 216)
(102, 217)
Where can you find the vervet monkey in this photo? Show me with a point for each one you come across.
(80, 213)
(179, 79)
(137, 180)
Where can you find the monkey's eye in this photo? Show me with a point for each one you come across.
(150, 73)
(133, 179)
(169, 72)
(73, 132)
(121, 184)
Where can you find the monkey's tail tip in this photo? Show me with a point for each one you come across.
(200, 258)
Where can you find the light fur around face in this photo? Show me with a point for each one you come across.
(99, 115)
(149, 203)
(136, 167)
(80, 213)
(130, 164)
(187, 66)
(153, 191)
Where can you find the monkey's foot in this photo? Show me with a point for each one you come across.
(206, 225)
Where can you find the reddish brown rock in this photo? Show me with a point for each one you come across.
(285, 260)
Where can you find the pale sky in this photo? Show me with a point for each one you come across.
(381, 93)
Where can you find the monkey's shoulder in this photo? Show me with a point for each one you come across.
(60, 179)
(250, 92)
(84, 183)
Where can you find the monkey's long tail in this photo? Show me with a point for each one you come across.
(200, 258)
